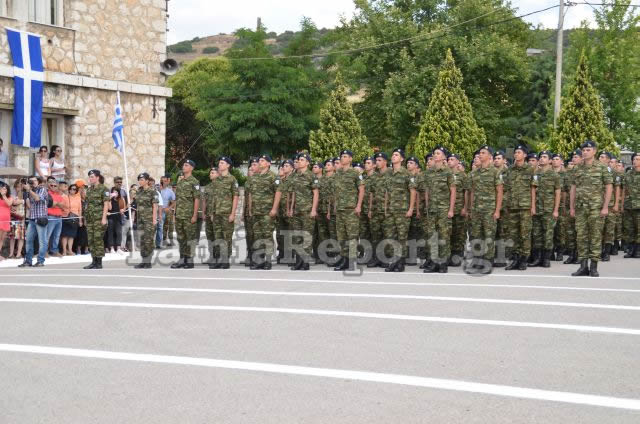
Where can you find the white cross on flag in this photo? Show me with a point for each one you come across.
(28, 76)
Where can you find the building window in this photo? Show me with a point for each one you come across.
(45, 11)
(6, 8)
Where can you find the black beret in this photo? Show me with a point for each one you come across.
(346, 152)
(399, 150)
(454, 155)
(95, 172)
(442, 149)
(368, 158)
(305, 156)
(556, 155)
(607, 154)
(318, 164)
(428, 156)
(265, 157)
(252, 160)
(414, 160)
(143, 175)
(487, 148)
(190, 162)
(633, 156)
(498, 153)
(225, 159)
(521, 147)
(357, 165)
(577, 152)
(326, 161)
(336, 159)
(532, 155)
(289, 162)
(382, 155)
(546, 152)
(589, 143)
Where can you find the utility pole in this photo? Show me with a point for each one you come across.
(556, 109)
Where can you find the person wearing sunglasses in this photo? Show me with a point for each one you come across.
(56, 163)
(42, 165)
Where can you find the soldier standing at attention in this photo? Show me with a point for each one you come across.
(379, 207)
(248, 201)
(225, 204)
(591, 189)
(95, 218)
(609, 228)
(187, 204)
(303, 208)
(147, 214)
(572, 243)
(207, 206)
(561, 227)
(486, 202)
(502, 250)
(317, 170)
(441, 201)
(415, 225)
(547, 206)
(632, 206)
(426, 220)
(282, 198)
(401, 200)
(367, 204)
(263, 189)
(324, 202)
(348, 186)
(521, 182)
(618, 179)
(458, 224)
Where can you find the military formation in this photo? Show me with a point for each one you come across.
(394, 211)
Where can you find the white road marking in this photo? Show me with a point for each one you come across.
(352, 282)
(360, 295)
(376, 377)
(401, 317)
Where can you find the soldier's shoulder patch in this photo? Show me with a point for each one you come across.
(315, 181)
(106, 193)
(413, 179)
(535, 177)
(236, 184)
(197, 187)
(361, 177)
(277, 182)
(609, 168)
(455, 177)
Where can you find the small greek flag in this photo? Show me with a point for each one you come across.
(28, 76)
(118, 128)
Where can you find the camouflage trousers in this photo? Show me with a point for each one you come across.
(348, 229)
(187, 237)
(503, 234)
(439, 240)
(618, 225)
(458, 233)
(211, 237)
(415, 235)
(302, 224)
(169, 227)
(519, 224)
(283, 223)
(632, 225)
(570, 241)
(427, 223)
(609, 228)
(263, 226)
(365, 227)
(560, 234)
(396, 227)
(376, 226)
(483, 231)
(249, 237)
(223, 235)
(95, 235)
(589, 225)
(544, 225)
(147, 237)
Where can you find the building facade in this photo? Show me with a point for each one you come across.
(91, 49)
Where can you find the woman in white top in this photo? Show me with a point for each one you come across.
(58, 169)
(42, 164)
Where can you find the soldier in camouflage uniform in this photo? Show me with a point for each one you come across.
(632, 206)
(560, 233)
(486, 203)
(618, 172)
(207, 205)
(591, 189)
(95, 217)
(399, 205)
(303, 189)
(348, 189)
(520, 181)
(317, 170)
(282, 197)
(441, 200)
(225, 203)
(426, 220)
(415, 225)
(458, 222)
(547, 207)
(248, 219)
(187, 204)
(609, 227)
(378, 209)
(367, 204)
(324, 204)
(147, 216)
(503, 251)
(571, 240)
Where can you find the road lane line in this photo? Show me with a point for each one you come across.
(374, 283)
(323, 312)
(365, 296)
(343, 374)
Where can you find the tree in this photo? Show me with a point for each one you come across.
(449, 120)
(582, 116)
(613, 50)
(339, 128)
(211, 50)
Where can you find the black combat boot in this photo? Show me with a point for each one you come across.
(615, 248)
(635, 251)
(537, 258)
(259, 264)
(92, 265)
(188, 263)
(143, 264)
(532, 256)
(559, 254)
(443, 267)
(606, 252)
(431, 267)
(98, 264)
(593, 270)
(341, 264)
(500, 263)
(456, 259)
(572, 257)
(179, 264)
(546, 258)
(514, 262)
(399, 265)
(583, 270)
(522, 265)
(391, 267)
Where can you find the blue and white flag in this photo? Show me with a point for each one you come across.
(118, 127)
(28, 76)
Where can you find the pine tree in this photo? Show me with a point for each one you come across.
(449, 120)
(339, 128)
(582, 117)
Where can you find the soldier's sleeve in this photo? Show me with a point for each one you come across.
(155, 197)
(315, 183)
(360, 180)
(617, 181)
(450, 180)
(534, 178)
(499, 178)
(235, 190)
(557, 182)
(607, 176)
(412, 182)
(104, 194)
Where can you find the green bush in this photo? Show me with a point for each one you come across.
(181, 47)
(210, 50)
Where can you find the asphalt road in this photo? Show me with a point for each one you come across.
(240, 346)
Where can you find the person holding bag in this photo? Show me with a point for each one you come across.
(37, 223)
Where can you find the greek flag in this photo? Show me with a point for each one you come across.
(28, 76)
(118, 128)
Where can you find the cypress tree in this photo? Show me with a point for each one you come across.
(449, 120)
(582, 116)
(339, 128)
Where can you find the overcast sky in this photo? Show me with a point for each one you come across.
(192, 18)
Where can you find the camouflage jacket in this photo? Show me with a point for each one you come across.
(225, 188)
(518, 181)
(548, 182)
(632, 190)
(260, 191)
(346, 183)
(145, 199)
(459, 179)
(590, 182)
(439, 189)
(325, 194)
(398, 185)
(301, 187)
(187, 191)
(95, 198)
(483, 183)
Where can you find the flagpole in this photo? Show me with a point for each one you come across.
(126, 181)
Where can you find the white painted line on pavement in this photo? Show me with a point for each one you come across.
(361, 295)
(400, 317)
(342, 374)
(352, 282)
